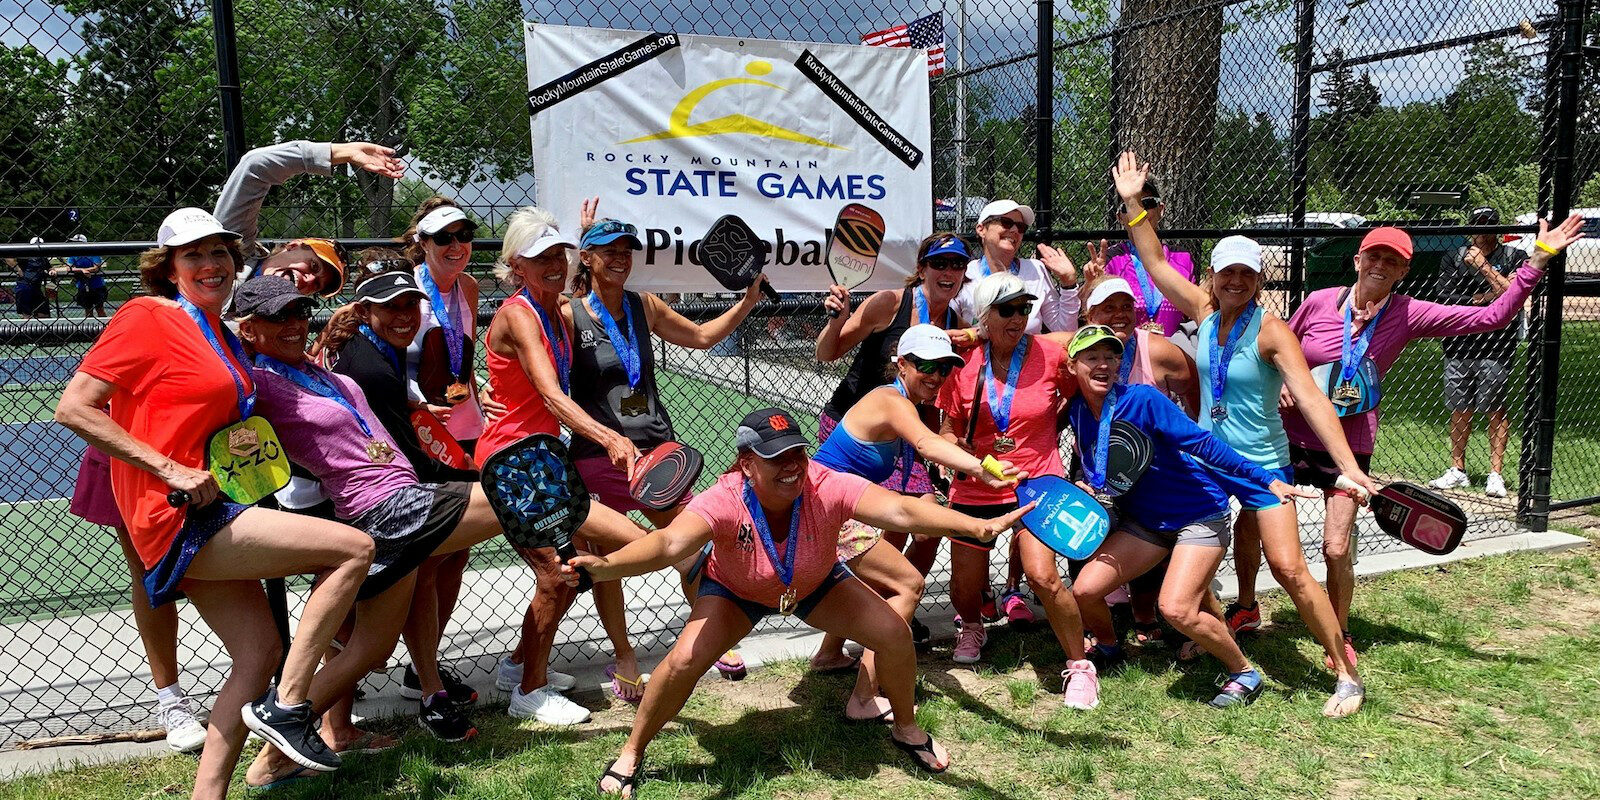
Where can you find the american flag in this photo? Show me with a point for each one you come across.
(922, 32)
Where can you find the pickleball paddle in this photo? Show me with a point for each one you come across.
(1425, 520)
(537, 496)
(1067, 519)
(437, 442)
(735, 255)
(853, 246)
(664, 475)
(247, 460)
(1127, 457)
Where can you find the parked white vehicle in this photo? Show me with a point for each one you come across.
(1583, 257)
(1275, 252)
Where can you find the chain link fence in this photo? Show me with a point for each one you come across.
(1300, 123)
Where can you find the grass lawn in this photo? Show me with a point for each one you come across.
(1482, 678)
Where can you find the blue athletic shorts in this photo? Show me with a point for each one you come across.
(1250, 496)
(756, 611)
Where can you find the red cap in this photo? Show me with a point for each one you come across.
(1390, 237)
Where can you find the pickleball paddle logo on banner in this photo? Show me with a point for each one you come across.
(675, 131)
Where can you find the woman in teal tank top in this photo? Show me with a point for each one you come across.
(1246, 357)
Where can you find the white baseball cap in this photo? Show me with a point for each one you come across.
(1235, 250)
(550, 238)
(1105, 289)
(187, 225)
(441, 218)
(928, 343)
(1000, 208)
(996, 289)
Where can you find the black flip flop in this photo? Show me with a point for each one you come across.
(885, 718)
(624, 782)
(916, 751)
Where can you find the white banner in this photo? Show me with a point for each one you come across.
(673, 131)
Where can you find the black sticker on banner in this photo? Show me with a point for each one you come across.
(852, 104)
(600, 70)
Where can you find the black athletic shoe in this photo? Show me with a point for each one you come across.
(920, 635)
(445, 720)
(460, 693)
(290, 731)
(1106, 663)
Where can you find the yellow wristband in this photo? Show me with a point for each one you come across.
(1547, 248)
(1138, 219)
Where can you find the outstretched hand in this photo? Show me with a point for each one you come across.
(374, 158)
(1129, 176)
(1098, 258)
(987, 529)
(1287, 493)
(1557, 238)
(1060, 266)
(594, 565)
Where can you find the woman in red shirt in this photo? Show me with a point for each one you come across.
(172, 375)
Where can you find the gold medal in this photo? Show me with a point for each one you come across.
(1004, 444)
(786, 602)
(1105, 499)
(633, 404)
(457, 393)
(243, 442)
(379, 452)
(1347, 394)
(1154, 326)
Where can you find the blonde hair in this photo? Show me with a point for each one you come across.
(523, 227)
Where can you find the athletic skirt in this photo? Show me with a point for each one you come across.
(406, 527)
(199, 525)
(91, 495)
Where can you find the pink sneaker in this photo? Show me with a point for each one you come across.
(969, 644)
(1017, 611)
(1081, 686)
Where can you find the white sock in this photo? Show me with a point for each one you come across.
(169, 695)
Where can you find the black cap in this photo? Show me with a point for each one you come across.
(770, 432)
(1483, 215)
(387, 286)
(266, 294)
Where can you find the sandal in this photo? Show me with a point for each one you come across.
(732, 670)
(1190, 650)
(917, 751)
(624, 782)
(1149, 634)
(295, 775)
(616, 690)
(1344, 691)
(1235, 693)
(840, 669)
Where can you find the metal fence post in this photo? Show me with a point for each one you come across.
(1305, 28)
(1555, 173)
(1044, 168)
(228, 84)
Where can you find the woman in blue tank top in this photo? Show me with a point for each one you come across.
(881, 434)
(1246, 356)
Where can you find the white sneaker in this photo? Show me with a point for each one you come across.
(546, 705)
(1451, 479)
(185, 734)
(508, 676)
(1495, 486)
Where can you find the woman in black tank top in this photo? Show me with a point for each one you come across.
(613, 381)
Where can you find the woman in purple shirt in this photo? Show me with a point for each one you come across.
(1378, 324)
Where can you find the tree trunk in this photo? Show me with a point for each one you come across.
(1167, 82)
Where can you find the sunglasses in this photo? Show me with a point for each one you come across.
(301, 311)
(1007, 223)
(946, 264)
(1010, 310)
(445, 238)
(387, 265)
(1148, 203)
(940, 368)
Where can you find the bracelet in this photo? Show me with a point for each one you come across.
(1547, 248)
(1138, 219)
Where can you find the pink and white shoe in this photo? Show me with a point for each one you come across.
(969, 644)
(1016, 609)
(1081, 686)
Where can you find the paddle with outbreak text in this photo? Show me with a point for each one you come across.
(537, 496)
(1425, 520)
(735, 255)
(1067, 519)
(853, 246)
(437, 442)
(664, 475)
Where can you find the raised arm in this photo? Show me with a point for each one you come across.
(239, 203)
(1192, 300)
(1280, 349)
(1433, 319)
(659, 549)
(848, 330)
(892, 511)
(903, 422)
(680, 330)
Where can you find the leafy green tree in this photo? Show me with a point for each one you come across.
(31, 119)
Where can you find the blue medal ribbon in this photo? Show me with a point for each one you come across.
(384, 348)
(1353, 351)
(1147, 289)
(309, 380)
(919, 301)
(1223, 355)
(1016, 265)
(247, 400)
(627, 347)
(906, 450)
(1130, 351)
(1095, 473)
(1000, 399)
(559, 344)
(454, 332)
(758, 517)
